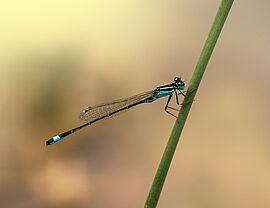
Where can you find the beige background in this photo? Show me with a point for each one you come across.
(57, 57)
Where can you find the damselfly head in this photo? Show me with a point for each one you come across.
(180, 83)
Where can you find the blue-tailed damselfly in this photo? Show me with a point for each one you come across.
(95, 113)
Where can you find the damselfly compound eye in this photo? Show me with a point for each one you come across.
(177, 79)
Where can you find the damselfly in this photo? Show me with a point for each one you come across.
(95, 113)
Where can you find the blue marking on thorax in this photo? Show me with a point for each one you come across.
(182, 87)
(163, 93)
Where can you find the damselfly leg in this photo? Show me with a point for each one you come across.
(181, 93)
(177, 102)
(167, 106)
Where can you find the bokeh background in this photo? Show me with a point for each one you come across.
(57, 57)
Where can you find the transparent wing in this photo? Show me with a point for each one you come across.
(92, 113)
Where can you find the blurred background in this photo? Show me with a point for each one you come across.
(57, 57)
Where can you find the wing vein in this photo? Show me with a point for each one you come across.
(95, 112)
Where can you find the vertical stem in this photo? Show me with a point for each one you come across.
(207, 50)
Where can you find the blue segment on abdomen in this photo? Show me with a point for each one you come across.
(160, 94)
(164, 93)
(53, 140)
(56, 138)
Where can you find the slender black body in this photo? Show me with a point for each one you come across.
(95, 113)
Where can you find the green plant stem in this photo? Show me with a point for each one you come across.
(207, 50)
